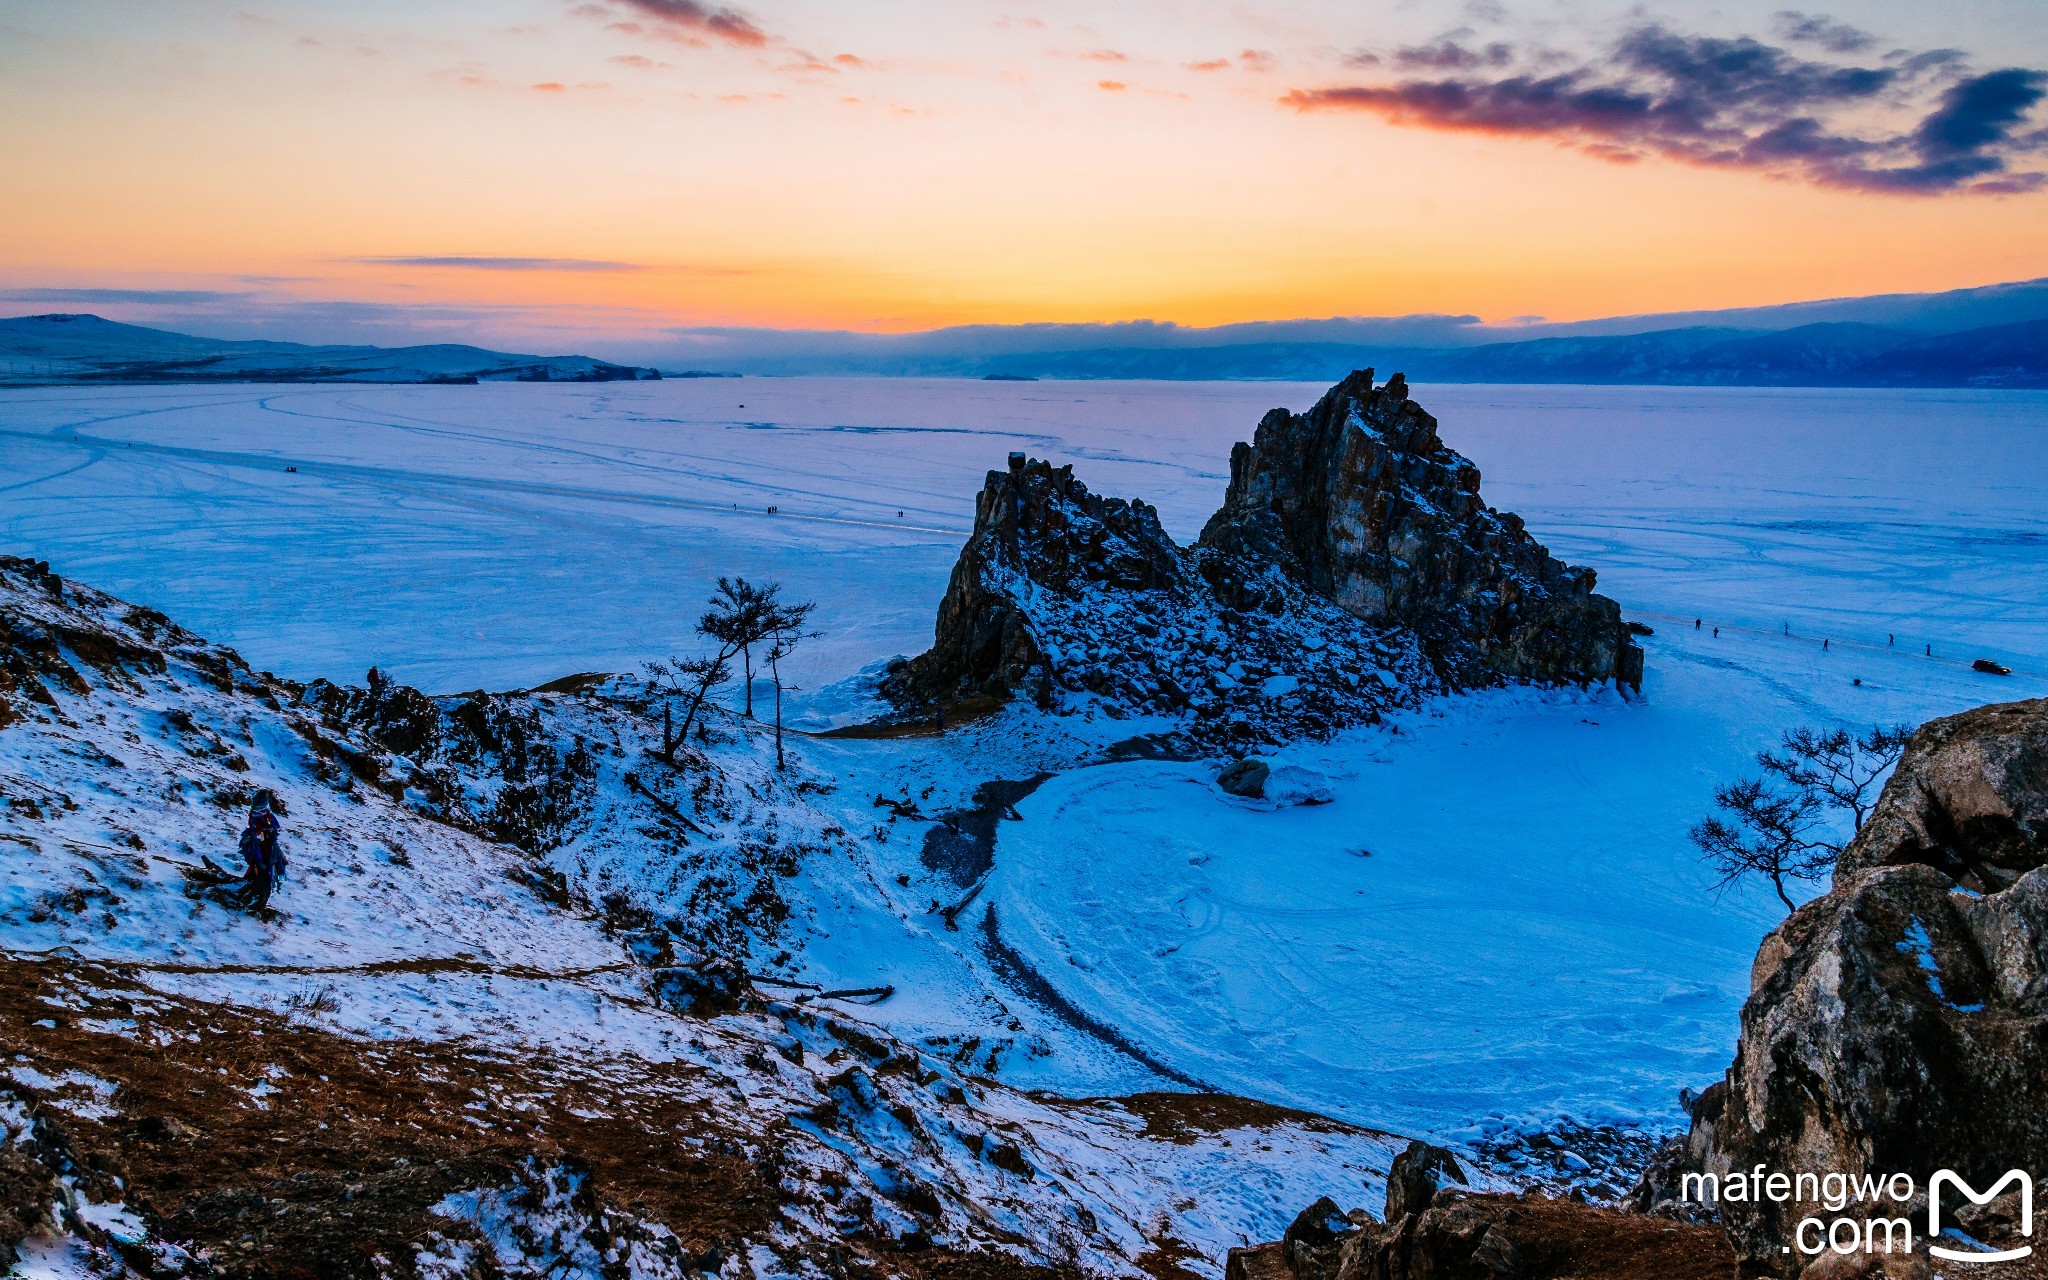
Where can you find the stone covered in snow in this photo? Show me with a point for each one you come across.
(1078, 601)
(1277, 780)
(1361, 501)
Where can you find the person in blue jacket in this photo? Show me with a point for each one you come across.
(262, 853)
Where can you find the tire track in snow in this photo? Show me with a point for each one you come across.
(398, 477)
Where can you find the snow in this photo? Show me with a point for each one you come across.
(448, 945)
(1498, 916)
(1497, 921)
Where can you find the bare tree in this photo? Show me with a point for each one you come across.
(1771, 837)
(1781, 821)
(691, 677)
(739, 618)
(1836, 768)
(784, 624)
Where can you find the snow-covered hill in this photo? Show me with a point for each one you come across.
(465, 1033)
(55, 349)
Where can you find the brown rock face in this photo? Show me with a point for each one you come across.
(1499, 1237)
(1900, 1023)
(1494, 1237)
(1360, 500)
(1969, 798)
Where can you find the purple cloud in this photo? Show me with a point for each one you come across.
(1737, 103)
(729, 25)
(1822, 31)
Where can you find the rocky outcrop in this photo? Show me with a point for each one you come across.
(1353, 567)
(1037, 532)
(1969, 798)
(1361, 500)
(1064, 596)
(1899, 1024)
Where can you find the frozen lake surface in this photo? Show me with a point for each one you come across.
(500, 535)
(1499, 916)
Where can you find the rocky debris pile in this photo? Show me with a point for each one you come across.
(489, 762)
(1073, 599)
(1598, 1161)
(1899, 1024)
(1437, 1229)
(1352, 568)
(1360, 500)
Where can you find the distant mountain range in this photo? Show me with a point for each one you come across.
(1991, 337)
(71, 349)
(1825, 354)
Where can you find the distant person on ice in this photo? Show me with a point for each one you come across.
(262, 853)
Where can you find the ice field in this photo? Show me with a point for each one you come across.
(1498, 917)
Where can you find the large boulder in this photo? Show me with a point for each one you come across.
(1899, 1024)
(1278, 782)
(1361, 500)
(1415, 1177)
(1970, 798)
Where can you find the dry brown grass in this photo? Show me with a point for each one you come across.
(344, 1160)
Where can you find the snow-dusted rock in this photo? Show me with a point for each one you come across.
(1360, 500)
(1076, 600)
(1277, 781)
(1352, 569)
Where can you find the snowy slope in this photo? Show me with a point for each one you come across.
(128, 749)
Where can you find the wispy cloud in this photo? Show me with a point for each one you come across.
(152, 297)
(1908, 123)
(1820, 30)
(466, 263)
(692, 17)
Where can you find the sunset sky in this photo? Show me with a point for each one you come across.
(569, 171)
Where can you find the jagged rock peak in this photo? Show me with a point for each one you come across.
(1361, 501)
(1036, 530)
(1352, 544)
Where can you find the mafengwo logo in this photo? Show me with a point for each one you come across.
(1867, 1213)
(1948, 1178)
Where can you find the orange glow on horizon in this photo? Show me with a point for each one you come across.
(988, 175)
